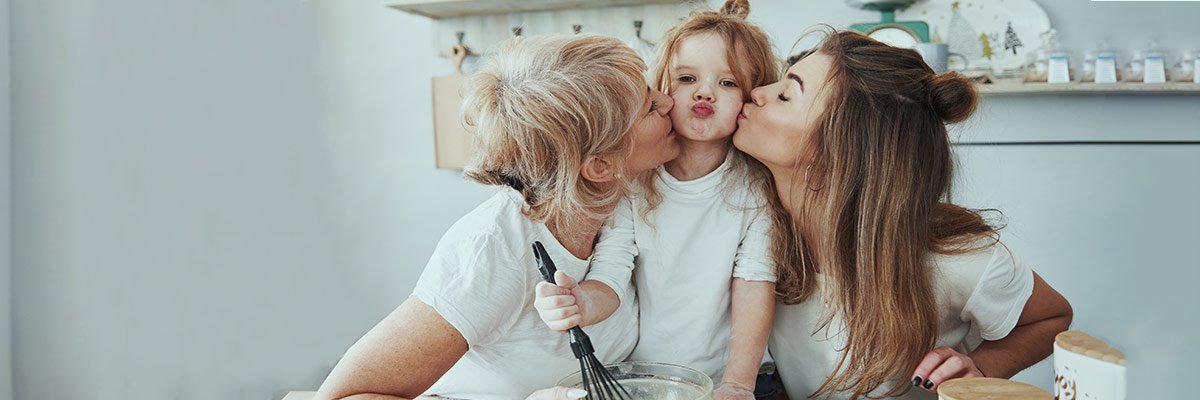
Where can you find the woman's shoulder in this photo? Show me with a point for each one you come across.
(963, 271)
(493, 225)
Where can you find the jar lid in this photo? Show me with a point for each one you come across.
(990, 389)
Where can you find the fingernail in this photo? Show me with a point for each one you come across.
(576, 393)
(917, 381)
(928, 384)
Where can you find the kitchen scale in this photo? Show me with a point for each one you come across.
(904, 34)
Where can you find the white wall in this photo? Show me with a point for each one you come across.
(215, 199)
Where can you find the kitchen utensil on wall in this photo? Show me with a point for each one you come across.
(597, 380)
(1087, 368)
(995, 34)
(452, 142)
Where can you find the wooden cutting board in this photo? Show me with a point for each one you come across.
(452, 141)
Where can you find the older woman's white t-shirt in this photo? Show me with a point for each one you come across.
(481, 279)
(980, 297)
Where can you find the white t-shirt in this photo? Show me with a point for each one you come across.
(980, 296)
(685, 262)
(481, 279)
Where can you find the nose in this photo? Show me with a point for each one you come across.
(667, 103)
(758, 95)
(703, 92)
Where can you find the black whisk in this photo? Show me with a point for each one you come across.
(598, 382)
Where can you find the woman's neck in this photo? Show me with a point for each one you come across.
(792, 187)
(697, 159)
(577, 235)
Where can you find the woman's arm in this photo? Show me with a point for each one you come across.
(753, 311)
(399, 358)
(1044, 316)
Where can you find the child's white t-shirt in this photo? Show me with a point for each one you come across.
(480, 279)
(980, 296)
(701, 238)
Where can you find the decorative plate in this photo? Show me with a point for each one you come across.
(991, 34)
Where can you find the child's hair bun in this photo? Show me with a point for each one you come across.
(737, 8)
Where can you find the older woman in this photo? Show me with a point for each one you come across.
(885, 284)
(564, 124)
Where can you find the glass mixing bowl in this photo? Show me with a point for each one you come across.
(654, 381)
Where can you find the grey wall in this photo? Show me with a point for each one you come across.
(5, 212)
(215, 199)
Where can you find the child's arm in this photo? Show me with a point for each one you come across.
(752, 310)
(607, 284)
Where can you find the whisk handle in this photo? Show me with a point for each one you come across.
(544, 263)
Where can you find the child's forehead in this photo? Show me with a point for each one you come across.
(704, 52)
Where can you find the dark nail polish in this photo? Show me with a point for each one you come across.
(928, 384)
(917, 381)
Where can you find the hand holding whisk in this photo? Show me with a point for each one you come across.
(598, 382)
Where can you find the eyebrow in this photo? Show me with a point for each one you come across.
(796, 78)
(679, 67)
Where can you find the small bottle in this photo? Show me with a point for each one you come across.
(1058, 59)
(1100, 65)
(1185, 69)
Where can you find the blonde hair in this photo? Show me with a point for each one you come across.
(752, 59)
(541, 106)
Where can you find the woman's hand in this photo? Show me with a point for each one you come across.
(559, 306)
(558, 393)
(943, 364)
(733, 391)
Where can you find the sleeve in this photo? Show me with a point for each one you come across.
(474, 284)
(612, 261)
(999, 297)
(753, 261)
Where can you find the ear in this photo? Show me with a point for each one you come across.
(597, 169)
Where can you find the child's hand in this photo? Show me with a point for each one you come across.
(733, 391)
(559, 305)
(943, 364)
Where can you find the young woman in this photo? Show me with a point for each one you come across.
(885, 285)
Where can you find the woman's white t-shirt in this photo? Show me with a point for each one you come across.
(980, 297)
(480, 279)
(699, 239)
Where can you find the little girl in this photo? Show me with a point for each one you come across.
(698, 231)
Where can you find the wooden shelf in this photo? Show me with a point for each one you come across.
(438, 9)
(1016, 88)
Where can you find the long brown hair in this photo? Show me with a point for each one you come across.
(750, 56)
(875, 198)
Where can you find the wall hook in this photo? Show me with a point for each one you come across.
(460, 35)
(577, 28)
(637, 29)
(516, 30)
